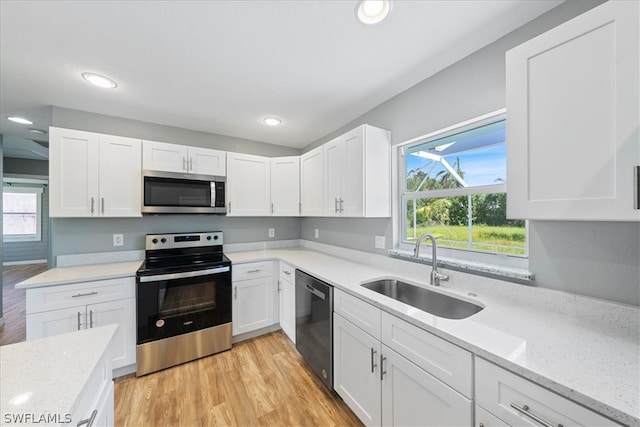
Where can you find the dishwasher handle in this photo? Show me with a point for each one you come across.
(315, 291)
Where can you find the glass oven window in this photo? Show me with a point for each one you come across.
(184, 299)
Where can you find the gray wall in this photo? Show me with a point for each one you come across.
(1, 252)
(87, 235)
(589, 258)
(26, 166)
(82, 120)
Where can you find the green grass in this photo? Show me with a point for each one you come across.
(506, 240)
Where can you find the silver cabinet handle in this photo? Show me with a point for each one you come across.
(335, 205)
(84, 295)
(382, 371)
(341, 202)
(89, 421)
(299, 208)
(373, 358)
(229, 207)
(288, 273)
(79, 324)
(279, 283)
(93, 204)
(481, 424)
(636, 187)
(254, 271)
(191, 164)
(91, 318)
(524, 409)
(102, 203)
(184, 163)
(271, 207)
(235, 292)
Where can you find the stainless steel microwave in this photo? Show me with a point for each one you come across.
(182, 193)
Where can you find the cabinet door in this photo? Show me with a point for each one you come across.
(353, 192)
(122, 313)
(312, 182)
(73, 173)
(120, 176)
(160, 156)
(356, 370)
(288, 308)
(253, 303)
(334, 177)
(285, 186)
(573, 111)
(205, 161)
(105, 409)
(248, 185)
(49, 323)
(410, 396)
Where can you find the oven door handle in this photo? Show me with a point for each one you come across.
(184, 275)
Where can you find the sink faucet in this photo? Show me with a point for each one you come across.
(435, 277)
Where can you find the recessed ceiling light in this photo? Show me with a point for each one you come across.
(38, 131)
(20, 120)
(272, 121)
(372, 11)
(100, 81)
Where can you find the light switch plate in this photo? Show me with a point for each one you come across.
(380, 242)
(118, 239)
(272, 232)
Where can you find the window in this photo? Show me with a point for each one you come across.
(22, 214)
(453, 185)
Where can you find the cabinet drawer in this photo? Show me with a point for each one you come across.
(487, 419)
(252, 270)
(445, 361)
(498, 389)
(360, 313)
(75, 294)
(287, 272)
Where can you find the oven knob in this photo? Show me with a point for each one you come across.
(154, 241)
(163, 240)
(208, 237)
(215, 237)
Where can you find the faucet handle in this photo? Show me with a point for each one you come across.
(436, 278)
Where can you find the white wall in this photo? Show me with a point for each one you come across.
(596, 259)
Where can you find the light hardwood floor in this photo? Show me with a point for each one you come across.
(260, 382)
(14, 301)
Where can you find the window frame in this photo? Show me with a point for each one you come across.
(17, 238)
(402, 197)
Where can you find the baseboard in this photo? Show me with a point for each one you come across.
(256, 333)
(125, 370)
(28, 261)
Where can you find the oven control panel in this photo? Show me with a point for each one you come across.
(183, 240)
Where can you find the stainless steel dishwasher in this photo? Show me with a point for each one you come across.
(314, 325)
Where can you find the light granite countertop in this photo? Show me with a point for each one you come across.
(47, 376)
(582, 348)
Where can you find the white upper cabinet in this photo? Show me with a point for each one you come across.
(312, 182)
(161, 156)
(285, 186)
(248, 185)
(94, 175)
(357, 173)
(573, 113)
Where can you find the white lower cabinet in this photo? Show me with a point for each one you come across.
(60, 309)
(519, 402)
(287, 291)
(486, 419)
(383, 387)
(254, 297)
(95, 407)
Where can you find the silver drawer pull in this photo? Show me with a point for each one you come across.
(254, 271)
(525, 411)
(636, 187)
(79, 324)
(84, 295)
(89, 421)
(288, 273)
(91, 318)
(382, 371)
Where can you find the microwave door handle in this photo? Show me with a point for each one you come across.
(213, 194)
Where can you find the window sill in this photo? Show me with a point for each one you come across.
(472, 267)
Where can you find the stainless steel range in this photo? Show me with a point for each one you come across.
(183, 292)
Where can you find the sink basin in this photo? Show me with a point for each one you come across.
(423, 299)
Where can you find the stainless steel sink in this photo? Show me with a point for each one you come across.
(423, 299)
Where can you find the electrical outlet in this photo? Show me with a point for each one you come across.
(380, 242)
(317, 233)
(118, 239)
(272, 232)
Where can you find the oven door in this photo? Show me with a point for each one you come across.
(178, 303)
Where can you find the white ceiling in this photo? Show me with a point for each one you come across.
(221, 66)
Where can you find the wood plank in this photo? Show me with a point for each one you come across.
(263, 381)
